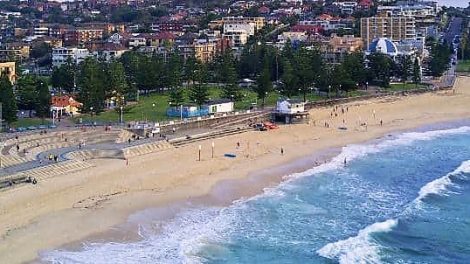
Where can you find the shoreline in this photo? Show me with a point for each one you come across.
(114, 192)
(226, 192)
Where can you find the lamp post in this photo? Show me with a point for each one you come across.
(1, 147)
(200, 147)
(213, 146)
(91, 113)
(329, 90)
(120, 118)
(153, 107)
(181, 112)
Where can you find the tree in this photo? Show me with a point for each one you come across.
(416, 72)
(289, 79)
(176, 96)
(263, 84)
(7, 98)
(199, 92)
(440, 57)
(354, 65)
(175, 71)
(43, 99)
(307, 68)
(190, 67)
(116, 82)
(405, 65)
(380, 68)
(92, 93)
(63, 77)
(27, 94)
(40, 50)
(229, 77)
(342, 80)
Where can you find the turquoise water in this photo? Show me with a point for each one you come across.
(402, 199)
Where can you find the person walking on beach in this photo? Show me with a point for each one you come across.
(381, 122)
(282, 151)
(345, 161)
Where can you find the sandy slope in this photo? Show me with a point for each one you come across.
(71, 207)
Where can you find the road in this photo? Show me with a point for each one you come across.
(455, 26)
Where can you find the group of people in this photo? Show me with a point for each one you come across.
(52, 157)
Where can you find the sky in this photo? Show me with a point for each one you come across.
(456, 3)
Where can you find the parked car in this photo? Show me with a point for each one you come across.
(270, 125)
(260, 127)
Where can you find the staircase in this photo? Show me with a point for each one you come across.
(146, 148)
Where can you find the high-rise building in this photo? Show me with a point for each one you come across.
(395, 28)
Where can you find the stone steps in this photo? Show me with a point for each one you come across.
(9, 160)
(45, 172)
(96, 154)
(146, 148)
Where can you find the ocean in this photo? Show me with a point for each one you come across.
(455, 3)
(400, 199)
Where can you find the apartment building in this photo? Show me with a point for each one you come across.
(259, 22)
(9, 69)
(14, 51)
(62, 55)
(395, 28)
(82, 35)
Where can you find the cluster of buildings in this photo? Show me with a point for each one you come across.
(343, 26)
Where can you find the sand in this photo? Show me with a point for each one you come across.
(73, 207)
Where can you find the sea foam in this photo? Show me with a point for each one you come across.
(181, 239)
(355, 151)
(439, 186)
(360, 248)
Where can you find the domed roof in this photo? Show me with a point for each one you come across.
(384, 46)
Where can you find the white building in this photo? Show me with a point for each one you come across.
(249, 28)
(219, 106)
(41, 31)
(62, 55)
(237, 38)
(289, 106)
(292, 36)
(347, 7)
(137, 40)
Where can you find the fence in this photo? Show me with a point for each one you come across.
(185, 113)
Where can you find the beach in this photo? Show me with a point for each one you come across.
(71, 208)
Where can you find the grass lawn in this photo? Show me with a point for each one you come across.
(26, 122)
(463, 66)
(145, 110)
(404, 87)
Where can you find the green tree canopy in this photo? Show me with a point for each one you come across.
(92, 92)
(43, 99)
(7, 99)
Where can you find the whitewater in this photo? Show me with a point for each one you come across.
(386, 196)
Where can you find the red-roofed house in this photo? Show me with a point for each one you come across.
(64, 105)
(309, 29)
(264, 10)
(161, 39)
(365, 4)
